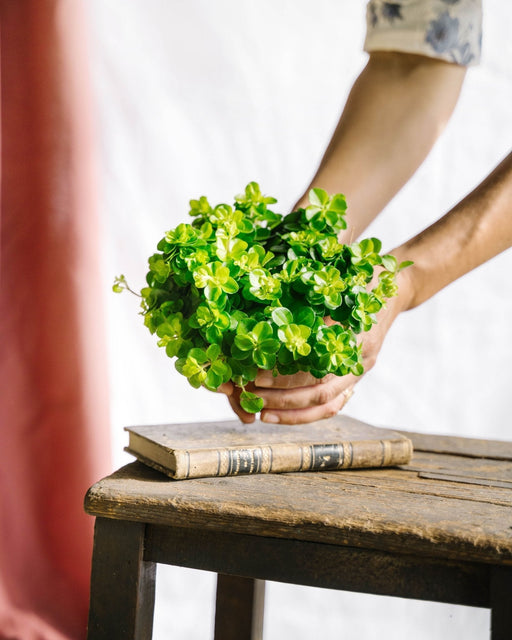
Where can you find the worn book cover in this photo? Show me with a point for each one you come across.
(209, 449)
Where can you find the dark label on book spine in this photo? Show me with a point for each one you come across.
(327, 456)
(244, 461)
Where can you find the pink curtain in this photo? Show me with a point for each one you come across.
(54, 432)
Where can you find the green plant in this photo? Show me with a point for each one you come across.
(243, 288)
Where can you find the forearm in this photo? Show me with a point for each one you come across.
(474, 231)
(395, 112)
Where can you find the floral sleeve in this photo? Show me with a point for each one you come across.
(450, 30)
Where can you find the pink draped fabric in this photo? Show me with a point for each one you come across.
(54, 431)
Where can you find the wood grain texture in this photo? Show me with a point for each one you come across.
(387, 509)
(439, 528)
(122, 583)
(239, 606)
(486, 468)
(469, 447)
(321, 565)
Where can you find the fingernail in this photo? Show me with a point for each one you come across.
(270, 417)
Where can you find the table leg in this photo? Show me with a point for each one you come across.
(122, 583)
(501, 603)
(239, 608)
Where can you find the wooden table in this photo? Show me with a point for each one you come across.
(438, 529)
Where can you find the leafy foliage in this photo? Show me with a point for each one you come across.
(242, 288)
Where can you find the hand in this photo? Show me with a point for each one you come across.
(302, 398)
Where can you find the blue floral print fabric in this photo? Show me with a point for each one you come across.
(450, 30)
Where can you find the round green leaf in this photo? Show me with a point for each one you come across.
(305, 316)
(282, 316)
(222, 289)
(250, 402)
(244, 342)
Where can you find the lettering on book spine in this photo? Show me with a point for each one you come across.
(243, 461)
(234, 462)
(326, 456)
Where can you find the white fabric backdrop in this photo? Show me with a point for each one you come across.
(198, 98)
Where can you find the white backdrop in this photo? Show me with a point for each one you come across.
(198, 98)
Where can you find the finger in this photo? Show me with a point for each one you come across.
(226, 388)
(303, 397)
(348, 393)
(301, 379)
(310, 414)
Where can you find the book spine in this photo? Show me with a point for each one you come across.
(292, 457)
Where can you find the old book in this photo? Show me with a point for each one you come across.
(210, 449)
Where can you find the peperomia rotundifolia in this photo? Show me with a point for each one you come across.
(243, 288)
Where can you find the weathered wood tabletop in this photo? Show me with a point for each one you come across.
(437, 529)
(454, 501)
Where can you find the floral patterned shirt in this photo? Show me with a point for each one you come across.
(450, 30)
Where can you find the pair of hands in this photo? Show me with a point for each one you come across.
(293, 399)
(302, 398)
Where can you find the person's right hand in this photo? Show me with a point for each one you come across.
(301, 398)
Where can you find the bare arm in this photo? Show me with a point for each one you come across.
(395, 112)
(475, 230)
